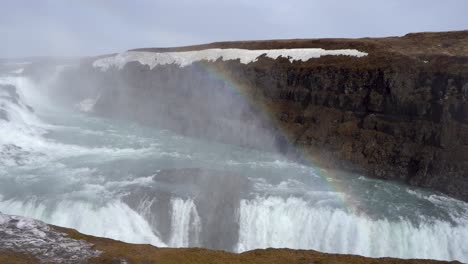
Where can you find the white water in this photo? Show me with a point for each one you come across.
(78, 171)
(185, 220)
(113, 220)
(293, 223)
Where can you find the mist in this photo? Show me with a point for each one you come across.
(235, 151)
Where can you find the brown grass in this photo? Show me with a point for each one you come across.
(8, 257)
(454, 43)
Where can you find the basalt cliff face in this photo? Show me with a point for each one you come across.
(399, 113)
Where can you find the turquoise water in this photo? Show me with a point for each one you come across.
(97, 175)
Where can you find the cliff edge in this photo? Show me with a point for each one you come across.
(24, 240)
(393, 108)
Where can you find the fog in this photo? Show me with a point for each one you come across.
(197, 100)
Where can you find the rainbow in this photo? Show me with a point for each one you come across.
(208, 58)
(329, 176)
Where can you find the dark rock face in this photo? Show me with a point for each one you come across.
(394, 125)
(400, 113)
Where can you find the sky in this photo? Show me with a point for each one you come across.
(93, 27)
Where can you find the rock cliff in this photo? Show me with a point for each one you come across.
(399, 113)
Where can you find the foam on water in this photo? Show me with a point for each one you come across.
(23, 132)
(24, 149)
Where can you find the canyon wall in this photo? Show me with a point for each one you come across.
(399, 113)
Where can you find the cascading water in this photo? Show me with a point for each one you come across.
(294, 223)
(185, 220)
(106, 178)
(114, 219)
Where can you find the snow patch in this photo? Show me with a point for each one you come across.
(245, 56)
(36, 238)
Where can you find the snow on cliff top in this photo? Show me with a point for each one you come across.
(29, 236)
(186, 58)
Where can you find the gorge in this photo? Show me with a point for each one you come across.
(349, 146)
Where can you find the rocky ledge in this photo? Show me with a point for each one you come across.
(24, 240)
(393, 108)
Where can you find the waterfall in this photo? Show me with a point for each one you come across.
(77, 174)
(185, 223)
(293, 223)
(113, 220)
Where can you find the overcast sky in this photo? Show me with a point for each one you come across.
(91, 27)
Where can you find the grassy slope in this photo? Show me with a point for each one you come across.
(452, 43)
